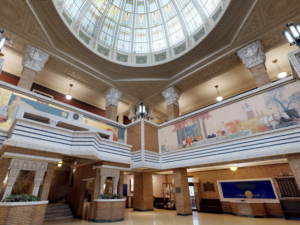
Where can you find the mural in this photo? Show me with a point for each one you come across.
(118, 133)
(272, 110)
(248, 189)
(10, 102)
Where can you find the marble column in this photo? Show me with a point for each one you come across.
(254, 58)
(182, 192)
(33, 62)
(112, 97)
(294, 161)
(172, 96)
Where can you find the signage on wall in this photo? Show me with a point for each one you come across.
(255, 189)
(178, 189)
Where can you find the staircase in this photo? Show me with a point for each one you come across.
(58, 211)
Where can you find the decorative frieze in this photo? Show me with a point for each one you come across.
(171, 96)
(112, 97)
(252, 55)
(34, 58)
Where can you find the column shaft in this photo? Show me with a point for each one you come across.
(260, 75)
(143, 193)
(95, 192)
(111, 112)
(182, 192)
(173, 111)
(120, 185)
(27, 78)
(44, 192)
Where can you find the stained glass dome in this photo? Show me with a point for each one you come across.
(137, 26)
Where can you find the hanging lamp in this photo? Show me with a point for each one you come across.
(281, 74)
(69, 96)
(219, 97)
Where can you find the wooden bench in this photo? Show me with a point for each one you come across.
(210, 205)
(290, 209)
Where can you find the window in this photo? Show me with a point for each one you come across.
(74, 7)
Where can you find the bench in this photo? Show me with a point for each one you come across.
(290, 209)
(210, 205)
(159, 203)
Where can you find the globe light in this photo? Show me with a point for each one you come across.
(69, 97)
(59, 164)
(219, 98)
(282, 75)
(233, 168)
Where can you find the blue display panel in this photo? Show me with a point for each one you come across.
(248, 189)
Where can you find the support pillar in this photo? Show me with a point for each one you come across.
(38, 179)
(254, 58)
(120, 185)
(45, 188)
(102, 182)
(33, 62)
(4, 164)
(294, 161)
(112, 97)
(171, 96)
(143, 193)
(115, 185)
(12, 176)
(182, 192)
(95, 192)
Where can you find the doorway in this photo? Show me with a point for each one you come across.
(192, 194)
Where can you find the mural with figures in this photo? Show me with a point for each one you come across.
(271, 110)
(118, 132)
(10, 102)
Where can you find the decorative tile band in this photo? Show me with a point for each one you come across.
(122, 58)
(141, 59)
(199, 35)
(216, 15)
(102, 50)
(160, 57)
(69, 21)
(84, 37)
(180, 48)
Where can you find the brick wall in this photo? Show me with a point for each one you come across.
(158, 180)
(59, 185)
(182, 197)
(109, 211)
(260, 75)
(111, 112)
(126, 180)
(151, 138)
(173, 111)
(25, 215)
(134, 137)
(294, 161)
(143, 193)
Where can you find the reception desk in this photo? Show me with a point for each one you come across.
(253, 208)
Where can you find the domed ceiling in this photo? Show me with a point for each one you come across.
(139, 31)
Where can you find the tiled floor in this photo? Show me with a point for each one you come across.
(164, 217)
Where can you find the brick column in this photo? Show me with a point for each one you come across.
(4, 164)
(120, 185)
(33, 62)
(45, 188)
(112, 97)
(171, 96)
(182, 192)
(142, 193)
(95, 192)
(254, 58)
(197, 196)
(294, 161)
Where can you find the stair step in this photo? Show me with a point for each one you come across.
(58, 218)
(55, 205)
(57, 210)
(58, 214)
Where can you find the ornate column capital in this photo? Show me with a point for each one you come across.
(34, 58)
(253, 54)
(171, 96)
(112, 97)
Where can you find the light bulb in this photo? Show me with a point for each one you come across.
(220, 98)
(233, 168)
(69, 97)
(59, 164)
(281, 75)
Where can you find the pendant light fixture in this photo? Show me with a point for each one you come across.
(69, 96)
(142, 110)
(233, 168)
(2, 40)
(281, 74)
(219, 98)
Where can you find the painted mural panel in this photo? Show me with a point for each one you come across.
(272, 110)
(118, 132)
(10, 102)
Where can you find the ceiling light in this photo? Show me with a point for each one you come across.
(289, 37)
(59, 164)
(219, 98)
(69, 96)
(281, 74)
(233, 168)
(295, 33)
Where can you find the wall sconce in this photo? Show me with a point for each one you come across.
(219, 97)
(281, 74)
(233, 168)
(69, 96)
(59, 164)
